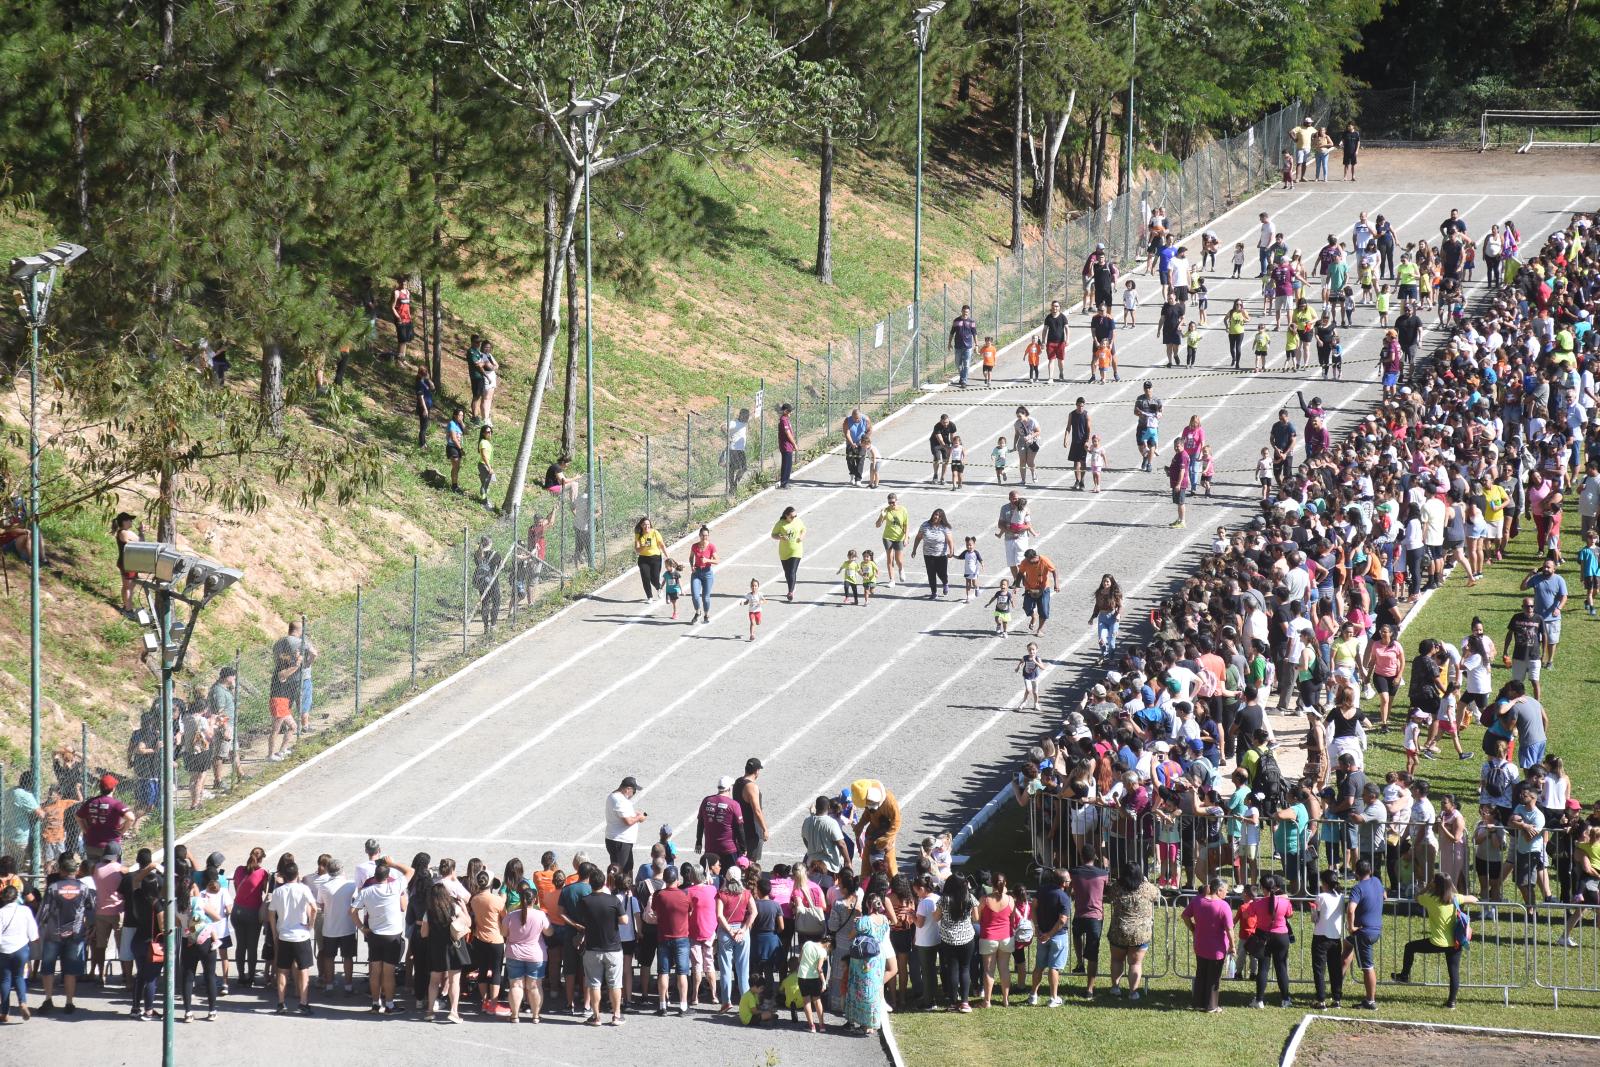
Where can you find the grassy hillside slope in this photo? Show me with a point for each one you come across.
(737, 307)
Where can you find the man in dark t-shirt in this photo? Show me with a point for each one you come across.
(963, 334)
(1054, 333)
(599, 918)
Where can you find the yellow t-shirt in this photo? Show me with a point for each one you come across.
(895, 522)
(791, 537)
(649, 543)
(1438, 919)
(1494, 502)
(1303, 135)
(1236, 320)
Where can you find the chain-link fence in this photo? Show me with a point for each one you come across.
(1423, 114)
(382, 640)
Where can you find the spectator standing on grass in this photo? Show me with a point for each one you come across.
(1549, 592)
(1271, 912)
(1132, 899)
(1440, 904)
(1210, 921)
(1364, 921)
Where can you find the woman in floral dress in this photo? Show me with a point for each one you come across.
(863, 997)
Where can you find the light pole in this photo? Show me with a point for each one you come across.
(586, 110)
(171, 577)
(922, 16)
(38, 277)
(1127, 203)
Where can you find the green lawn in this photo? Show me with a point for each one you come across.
(1569, 691)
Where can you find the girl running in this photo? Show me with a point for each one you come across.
(869, 574)
(1001, 601)
(851, 569)
(1096, 460)
(672, 585)
(752, 606)
(1106, 613)
(1028, 667)
(971, 568)
(958, 462)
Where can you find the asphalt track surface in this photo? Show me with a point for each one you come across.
(516, 754)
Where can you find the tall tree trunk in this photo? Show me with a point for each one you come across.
(436, 313)
(825, 212)
(549, 324)
(1097, 166)
(1055, 135)
(80, 157)
(825, 179)
(166, 504)
(272, 362)
(569, 404)
(1018, 112)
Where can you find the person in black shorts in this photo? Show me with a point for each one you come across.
(939, 442)
(1076, 441)
(1054, 333)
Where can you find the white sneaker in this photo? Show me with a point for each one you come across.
(1055, 1002)
(1033, 1000)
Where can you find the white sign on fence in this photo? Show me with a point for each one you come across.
(911, 318)
(1250, 138)
(877, 336)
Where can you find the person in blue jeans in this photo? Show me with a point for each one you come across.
(735, 909)
(18, 932)
(1052, 912)
(963, 336)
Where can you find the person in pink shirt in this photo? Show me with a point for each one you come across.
(524, 928)
(702, 930)
(1272, 911)
(107, 874)
(996, 918)
(1210, 920)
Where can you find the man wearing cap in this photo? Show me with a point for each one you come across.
(622, 823)
(671, 906)
(720, 825)
(104, 819)
(748, 795)
(880, 825)
(1038, 576)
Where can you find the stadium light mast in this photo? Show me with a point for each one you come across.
(922, 17)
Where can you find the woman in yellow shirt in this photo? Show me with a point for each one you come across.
(790, 533)
(1439, 903)
(652, 553)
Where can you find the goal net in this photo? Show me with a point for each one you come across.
(1524, 131)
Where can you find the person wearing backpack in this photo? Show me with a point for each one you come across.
(1445, 932)
(65, 917)
(870, 967)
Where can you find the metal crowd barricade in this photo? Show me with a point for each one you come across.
(1556, 965)
(1498, 958)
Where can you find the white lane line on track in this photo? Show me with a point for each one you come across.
(882, 667)
(734, 661)
(1151, 575)
(271, 787)
(1066, 387)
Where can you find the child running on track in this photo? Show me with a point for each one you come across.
(1034, 352)
(752, 606)
(998, 456)
(869, 574)
(958, 461)
(1028, 666)
(851, 569)
(971, 567)
(1130, 302)
(1261, 346)
(672, 584)
(1002, 608)
(988, 353)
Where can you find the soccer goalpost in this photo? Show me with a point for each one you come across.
(1527, 130)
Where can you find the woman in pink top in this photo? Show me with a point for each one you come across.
(702, 929)
(1271, 912)
(734, 907)
(1385, 662)
(524, 929)
(996, 921)
(702, 560)
(249, 885)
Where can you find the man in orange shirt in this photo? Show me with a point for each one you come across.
(1039, 578)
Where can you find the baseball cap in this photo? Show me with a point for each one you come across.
(666, 829)
(1098, 690)
(108, 782)
(724, 783)
(113, 849)
(753, 764)
(216, 859)
(629, 782)
(1162, 746)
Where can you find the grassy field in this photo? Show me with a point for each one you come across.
(1569, 690)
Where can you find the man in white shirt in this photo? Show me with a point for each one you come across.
(1434, 516)
(334, 894)
(379, 906)
(290, 917)
(622, 823)
(1264, 243)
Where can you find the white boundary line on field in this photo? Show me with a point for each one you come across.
(1293, 1048)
